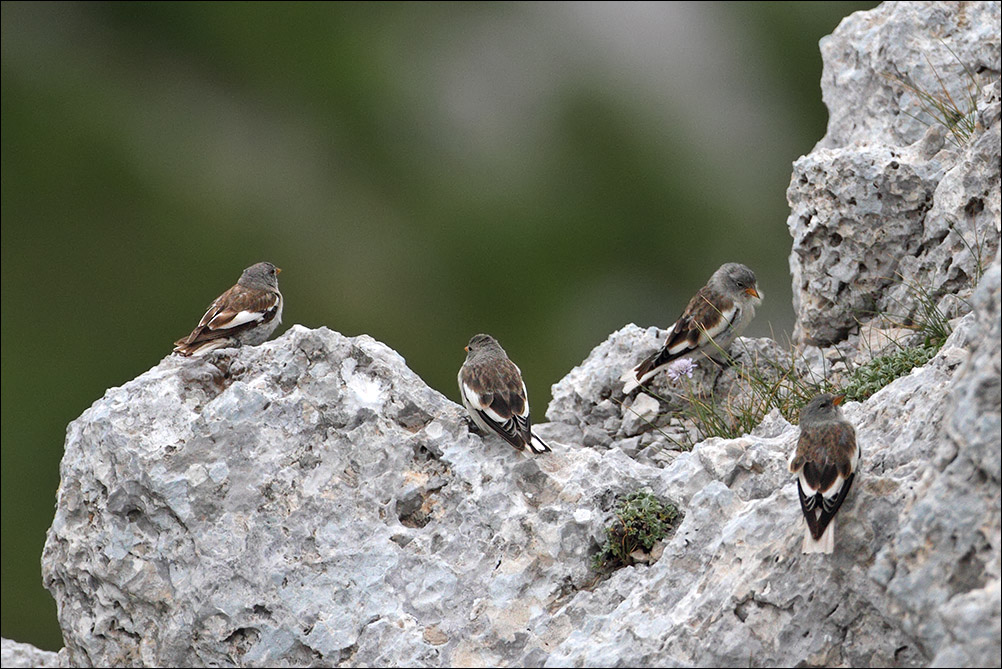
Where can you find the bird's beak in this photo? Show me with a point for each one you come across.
(466, 348)
(754, 293)
(278, 270)
(838, 399)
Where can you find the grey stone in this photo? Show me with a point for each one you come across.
(733, 589)
(866, 103)
(15, 655)
(237, 510)
(312, 501)
(889, 215)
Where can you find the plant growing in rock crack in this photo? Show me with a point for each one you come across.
(929, 322)
(957, 117)
(978, 247)
(880, 371)
(642, 520)
(786, 384)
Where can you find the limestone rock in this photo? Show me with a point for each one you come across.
(312, 501)
(914, 578)
(868, 52)
(889, 215)
(15, 655)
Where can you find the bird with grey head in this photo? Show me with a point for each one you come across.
(825, 462)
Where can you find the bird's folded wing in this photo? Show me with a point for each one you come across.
(496, 413)
(237, 306)
(706, 318)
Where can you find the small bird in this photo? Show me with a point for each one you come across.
(493, 392)
(247, 313)
(825, 463)
(714, 317)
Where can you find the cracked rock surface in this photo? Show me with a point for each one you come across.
(312, 502)
(891, 210)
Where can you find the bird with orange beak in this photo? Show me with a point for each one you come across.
(246, 314)
(825, 462)
(714, 317)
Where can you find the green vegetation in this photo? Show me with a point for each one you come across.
(762, 386)
(642, 520)
(883, 369)
(929, 321)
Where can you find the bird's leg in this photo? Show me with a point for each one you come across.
(471, 426)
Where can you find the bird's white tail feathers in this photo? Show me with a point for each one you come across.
(826, 544)
(537, 445)
(631, 382)
(207, 347)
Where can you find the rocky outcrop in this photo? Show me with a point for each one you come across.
(891, 209)
(311, 501)
(732, 587)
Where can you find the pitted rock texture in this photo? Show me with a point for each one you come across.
(911, 583)
(311, 502)
(867, 54)
(888, 214)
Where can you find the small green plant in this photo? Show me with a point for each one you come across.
(925, 318)
(880, 371)
(641, 521)
(957, 117)
(929, 321)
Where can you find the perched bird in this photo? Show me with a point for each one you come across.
(719, 312)
(493, 392)
(247, 313)
(825, 463)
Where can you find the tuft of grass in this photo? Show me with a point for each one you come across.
(642, 520)
(761, 387)
(957, 117)
(928, 321)
(976, 249)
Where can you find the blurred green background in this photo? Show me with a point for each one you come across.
(422, 172)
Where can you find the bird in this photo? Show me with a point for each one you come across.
(714, 317)
(825, 462)
(492, 390)
(247, 313)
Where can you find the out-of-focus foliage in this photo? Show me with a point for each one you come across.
(422, 172)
